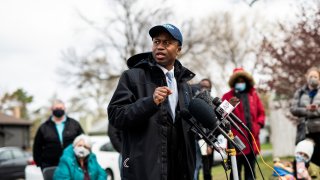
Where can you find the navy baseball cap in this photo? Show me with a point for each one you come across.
(171, 29)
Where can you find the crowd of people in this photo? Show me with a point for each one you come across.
(152, 136)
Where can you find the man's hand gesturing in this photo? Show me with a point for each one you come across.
(160, 94)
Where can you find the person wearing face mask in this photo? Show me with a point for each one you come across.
(54, 135)
(305, 105)
(79, 163)
(303, 153)
(251, 112)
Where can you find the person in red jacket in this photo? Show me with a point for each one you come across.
(251, 112)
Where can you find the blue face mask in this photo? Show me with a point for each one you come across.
(240, 86)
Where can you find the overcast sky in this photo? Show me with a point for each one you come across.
(34, 32)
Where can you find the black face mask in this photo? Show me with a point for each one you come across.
(58, 113)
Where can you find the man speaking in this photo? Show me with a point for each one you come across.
(157, 143)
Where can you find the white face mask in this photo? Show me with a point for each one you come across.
(81, 152)
(240, 86)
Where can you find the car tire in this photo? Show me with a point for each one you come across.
(110, 174)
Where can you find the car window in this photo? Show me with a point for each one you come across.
(5, 155)
(17, 153)
(107, 147)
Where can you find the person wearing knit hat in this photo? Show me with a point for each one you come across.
(304, 149)
(303, 154)
(251, 112)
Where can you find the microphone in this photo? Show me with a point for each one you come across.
(197, 129)
(205, 95)
(216, 102)
(203, 113)
(225, 110)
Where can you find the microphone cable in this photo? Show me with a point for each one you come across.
(221, 122)
(255, 143)
(222, 163)
(250, 145)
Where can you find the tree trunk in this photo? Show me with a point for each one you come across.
(283, 132)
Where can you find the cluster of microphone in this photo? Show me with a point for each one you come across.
(208, 115)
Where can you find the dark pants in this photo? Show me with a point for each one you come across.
(198, 162)
(241, 161)
(316, 152)
(177, 167)
(207, 162)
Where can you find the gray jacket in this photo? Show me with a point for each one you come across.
(299, 103)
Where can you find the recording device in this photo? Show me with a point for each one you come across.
(224, 110)
(197, 129)
(230, 117)
(204, 114)
(205, 95)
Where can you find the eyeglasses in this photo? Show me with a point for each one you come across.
(165, 43)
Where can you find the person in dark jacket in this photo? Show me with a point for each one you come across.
(54, 135)
(251, 112)
(157, 143)
(207, 155)
(206, 152)
(305, 105)
(115, 136)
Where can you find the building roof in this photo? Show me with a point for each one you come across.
(10, 120)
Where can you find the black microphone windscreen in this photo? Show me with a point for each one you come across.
(185, 114)
(203, 113)
(205, 95)
(216, 101)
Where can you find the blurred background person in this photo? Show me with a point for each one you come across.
(204, 152)
(305, 106)
(251, 112)
(207, 151)
(79, 163)
(303, 153)
(54, 135)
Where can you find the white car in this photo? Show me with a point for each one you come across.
(221, 144)
(107, 157)
(33, 172)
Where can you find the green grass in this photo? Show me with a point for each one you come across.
(266, 146)
(219, 173)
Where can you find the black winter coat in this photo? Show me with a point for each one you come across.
(115, 136)
(47, 148)
(145, 125)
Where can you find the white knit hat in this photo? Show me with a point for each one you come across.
(306, 146)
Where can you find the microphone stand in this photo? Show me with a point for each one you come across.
(231, 151)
